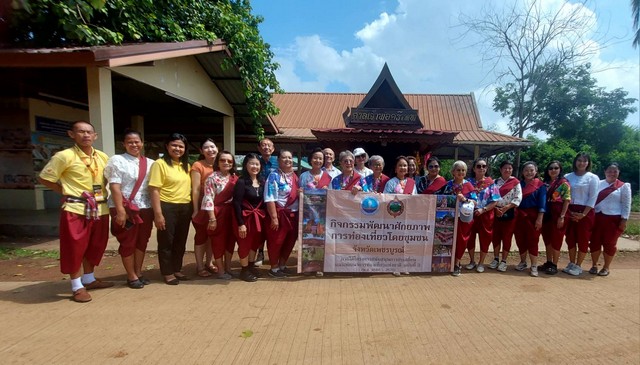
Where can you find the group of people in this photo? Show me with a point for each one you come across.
(260, 204)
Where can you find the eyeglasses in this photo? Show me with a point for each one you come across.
(460, 170)
(360, 156)
(347, 161)
(481, 166)
(433, 166)
(554, 168)
(226, 161)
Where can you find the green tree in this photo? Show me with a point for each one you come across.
(49, 23)
(518, 42)
(569, 105)
(627, 155)
(635, 14)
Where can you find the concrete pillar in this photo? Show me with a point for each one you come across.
(101, 108)
(476, 152)
(455, 154)
(229, 139)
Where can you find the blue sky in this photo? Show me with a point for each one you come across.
(341, 45)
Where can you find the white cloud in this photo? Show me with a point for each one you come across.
(417, 41)
(373, 29)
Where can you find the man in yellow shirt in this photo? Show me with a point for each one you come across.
(78, 174)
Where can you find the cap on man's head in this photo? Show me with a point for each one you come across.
(359, 152)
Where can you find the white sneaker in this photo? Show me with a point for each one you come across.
(471, 265)
(575, 270)
(534, 271)
(319, 274)
(396, 273)
(480, 268)
(405, 273)
(259, 258)
(569, 267)
(494, 264)
(502, 267)
(521, 266)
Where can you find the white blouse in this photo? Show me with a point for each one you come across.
(616, 203)
(123, 169)
(584, 188)
(513, 196)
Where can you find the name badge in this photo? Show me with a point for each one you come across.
(97, 193)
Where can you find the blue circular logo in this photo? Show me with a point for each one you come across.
(369, 205)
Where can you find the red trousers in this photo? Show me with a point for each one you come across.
(579, 233)
(199, 223)
(280, 243)
(551, 234)
(606, 233)
(503, 232)
(527, 236)
(223, 238)
(463, 235)
(81, 238)
(483, 227)
(256, 223)
(136, 237)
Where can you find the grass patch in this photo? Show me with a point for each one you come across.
(7, 253)
(635, 203)
(633, 228)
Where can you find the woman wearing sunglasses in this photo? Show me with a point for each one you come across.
(555, 218)
(432, 183)
(488, 196)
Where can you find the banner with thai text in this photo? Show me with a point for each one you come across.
(342, 232)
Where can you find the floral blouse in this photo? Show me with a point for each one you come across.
(487, 194)
(214, 184)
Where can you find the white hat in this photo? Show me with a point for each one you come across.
(466, 212)
(359, 152)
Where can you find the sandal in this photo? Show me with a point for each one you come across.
(593, 270)
(203, 273)
(603, 272)
(211, 269)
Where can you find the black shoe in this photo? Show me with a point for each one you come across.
(545, 266)
(552, 270)
(287, 271)
(135, 284)
(247, 275)
(277, 274)
(144, 280)
(255, 271)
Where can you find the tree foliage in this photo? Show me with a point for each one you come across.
(49, 23)
(570, 105)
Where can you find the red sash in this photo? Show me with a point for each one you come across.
(553, 186)
(508, 186)
(354, 180)
(380, 187)
(531, 188)
(436, 185)
(324, 181)
(227, 192)
(485, 183)
(608, 190)
(293, 195)
(132, 209)
(467, 187)
(408, 187)
(257, 213)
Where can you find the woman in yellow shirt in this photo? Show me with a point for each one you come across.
(170, 187)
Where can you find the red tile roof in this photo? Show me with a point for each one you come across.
(301, 112)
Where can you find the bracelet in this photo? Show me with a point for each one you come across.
(212, 220)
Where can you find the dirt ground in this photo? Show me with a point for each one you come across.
(48, 269)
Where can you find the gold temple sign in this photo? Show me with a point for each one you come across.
(373, 117)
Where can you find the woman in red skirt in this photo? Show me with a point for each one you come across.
(613, 207)
(504, 223)
(218, 198)
(529, 217)
(554, 223)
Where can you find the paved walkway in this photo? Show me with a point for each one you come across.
(338, 319)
